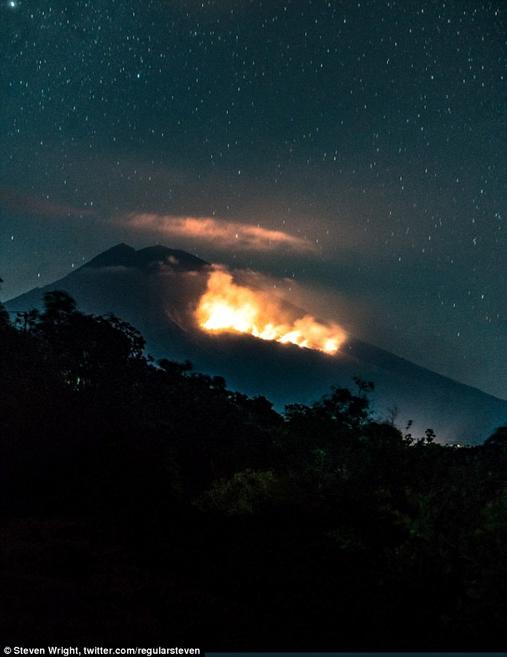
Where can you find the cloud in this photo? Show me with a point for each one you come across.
(221, 233)
(20, 203)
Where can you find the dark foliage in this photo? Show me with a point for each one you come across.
(4, 317)
(146, 504)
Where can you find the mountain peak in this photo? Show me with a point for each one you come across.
(178, 260)
(120, 255)
(123, 255)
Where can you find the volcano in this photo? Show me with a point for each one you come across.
(157, 289)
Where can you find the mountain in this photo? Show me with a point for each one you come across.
(123, 255)
(156, 290)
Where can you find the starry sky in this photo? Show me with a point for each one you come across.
(355, 148)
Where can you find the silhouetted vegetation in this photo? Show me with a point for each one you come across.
(143, 503)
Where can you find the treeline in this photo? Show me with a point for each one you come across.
(144, 502)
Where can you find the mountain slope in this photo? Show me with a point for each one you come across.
(156, 290)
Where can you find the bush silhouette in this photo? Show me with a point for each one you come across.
(146, 494)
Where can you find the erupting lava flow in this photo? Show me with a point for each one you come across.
(227, 306)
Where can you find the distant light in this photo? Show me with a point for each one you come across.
(12, 4)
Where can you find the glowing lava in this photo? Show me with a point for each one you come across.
(227, 306)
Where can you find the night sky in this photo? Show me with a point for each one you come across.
(358, 149)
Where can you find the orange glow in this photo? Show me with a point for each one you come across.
(227, 306)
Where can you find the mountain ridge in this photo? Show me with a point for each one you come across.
(123, 254)
(156, 290)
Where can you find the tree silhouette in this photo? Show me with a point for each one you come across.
(4, 315)
(140, 492)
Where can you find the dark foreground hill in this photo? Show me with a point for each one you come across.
(145, 505)
(156, 289)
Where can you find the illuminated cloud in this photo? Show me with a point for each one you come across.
(221, 233)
